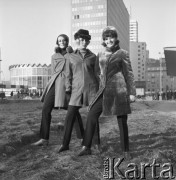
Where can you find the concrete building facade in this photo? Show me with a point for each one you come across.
(95, 15)
(133, 30)
(156, 70)
(139, 55)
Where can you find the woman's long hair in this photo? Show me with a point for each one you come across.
(110, 31)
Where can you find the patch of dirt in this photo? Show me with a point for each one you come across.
(152, 131)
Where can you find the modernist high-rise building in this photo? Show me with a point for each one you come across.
(133, 30)
(94, 15)
(139, 55)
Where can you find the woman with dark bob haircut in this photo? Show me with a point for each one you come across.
(81, 82)
(54, 95)
(115, 92)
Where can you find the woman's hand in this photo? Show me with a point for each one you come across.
(132, 98)
(68, 96)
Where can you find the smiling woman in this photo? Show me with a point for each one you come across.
(116, 89)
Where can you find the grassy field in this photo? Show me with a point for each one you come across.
(152, 130)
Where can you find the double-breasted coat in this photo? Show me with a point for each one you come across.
(116, 82)
(81, 78)
(58, 67)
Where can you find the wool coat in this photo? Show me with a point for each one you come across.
(58, 67)
(81, 78)
(116, 82)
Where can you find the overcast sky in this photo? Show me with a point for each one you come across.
(28, 28)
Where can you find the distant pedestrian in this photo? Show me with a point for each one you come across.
(11, 94)
(163, 95)
(157, 95)
(18, 94)
(174, 94)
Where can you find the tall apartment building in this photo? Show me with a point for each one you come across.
(139, 55)
(95, 15)
(133, 30)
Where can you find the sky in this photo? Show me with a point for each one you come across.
(29, 28)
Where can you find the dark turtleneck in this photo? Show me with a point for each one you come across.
(61, 51)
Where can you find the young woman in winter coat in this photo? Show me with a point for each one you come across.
(81, 83)
(54, 95)
(115, 91)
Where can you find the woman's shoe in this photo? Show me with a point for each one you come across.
(41, 142)
(85, 151)
(63, 148)
(60, 126)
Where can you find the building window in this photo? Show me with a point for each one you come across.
(34, 71)
(76, 16)
(39, 71)
(100, 6)
(34, 84)
(29, 71)
(39, 81)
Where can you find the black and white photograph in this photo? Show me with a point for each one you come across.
(87, 89)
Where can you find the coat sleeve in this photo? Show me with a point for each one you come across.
(52, 66)
(128, 74)
(97, 68)
(69, 76)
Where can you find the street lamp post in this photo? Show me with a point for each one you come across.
(160, 61)
(0, 71)
(0, 66)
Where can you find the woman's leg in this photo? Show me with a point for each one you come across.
(46, 113)
(92, 122)
(123, 127)
(68, 126)
(96, 137)
(78, 125)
